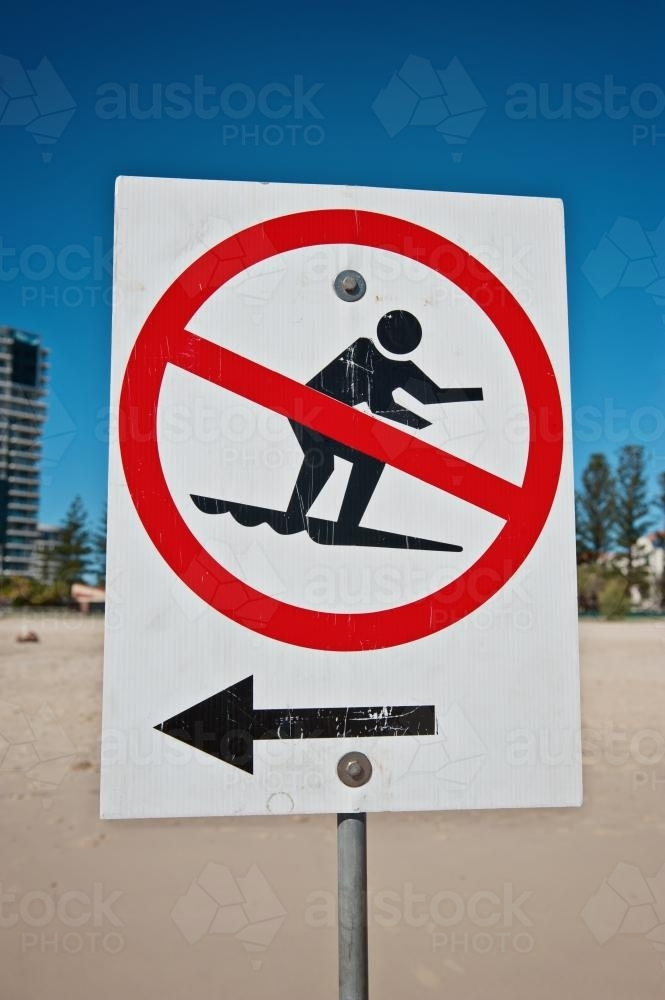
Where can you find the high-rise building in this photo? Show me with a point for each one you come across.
(43, 564)
(23, 376)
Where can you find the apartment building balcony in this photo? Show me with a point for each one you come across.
(15, 505)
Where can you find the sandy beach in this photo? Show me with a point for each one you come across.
(538, 904)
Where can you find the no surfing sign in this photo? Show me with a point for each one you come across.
(406, 556)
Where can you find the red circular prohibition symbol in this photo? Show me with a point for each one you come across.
(164, 339)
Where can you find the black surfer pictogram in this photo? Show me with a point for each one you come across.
(361, 374)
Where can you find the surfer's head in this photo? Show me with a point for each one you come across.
(399, 332)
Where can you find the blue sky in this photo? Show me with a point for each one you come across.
(604, 159)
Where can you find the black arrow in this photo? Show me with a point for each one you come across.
(227, 724)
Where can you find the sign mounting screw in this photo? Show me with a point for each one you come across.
(350, 286)
(354, 769)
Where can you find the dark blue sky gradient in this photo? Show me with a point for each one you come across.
(618, 354)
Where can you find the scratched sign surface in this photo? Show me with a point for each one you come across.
(340, 502)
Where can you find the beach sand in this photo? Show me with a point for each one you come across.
(66, 934)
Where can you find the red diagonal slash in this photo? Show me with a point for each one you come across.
(344, 424)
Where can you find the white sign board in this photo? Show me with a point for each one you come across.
(341, 504)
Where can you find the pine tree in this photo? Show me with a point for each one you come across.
(632, 507)
(580, 541)
(661, 499)
(99, 550)
(72, 552)
(595, 509)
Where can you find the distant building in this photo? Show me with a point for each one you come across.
(23, 377)
(42, 564)
(648, 555)
(650, 551)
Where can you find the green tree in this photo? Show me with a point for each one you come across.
(46, 562)
(661, 500)
(661, 507)
(632, 509)
(580, 541)
(595, 509)
(591, 578)
(98, 541)
(614, 598)
(72, 552)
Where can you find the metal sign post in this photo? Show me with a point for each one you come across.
(352, 905)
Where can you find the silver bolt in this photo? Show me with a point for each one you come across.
(350, 286)
(354, 769)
